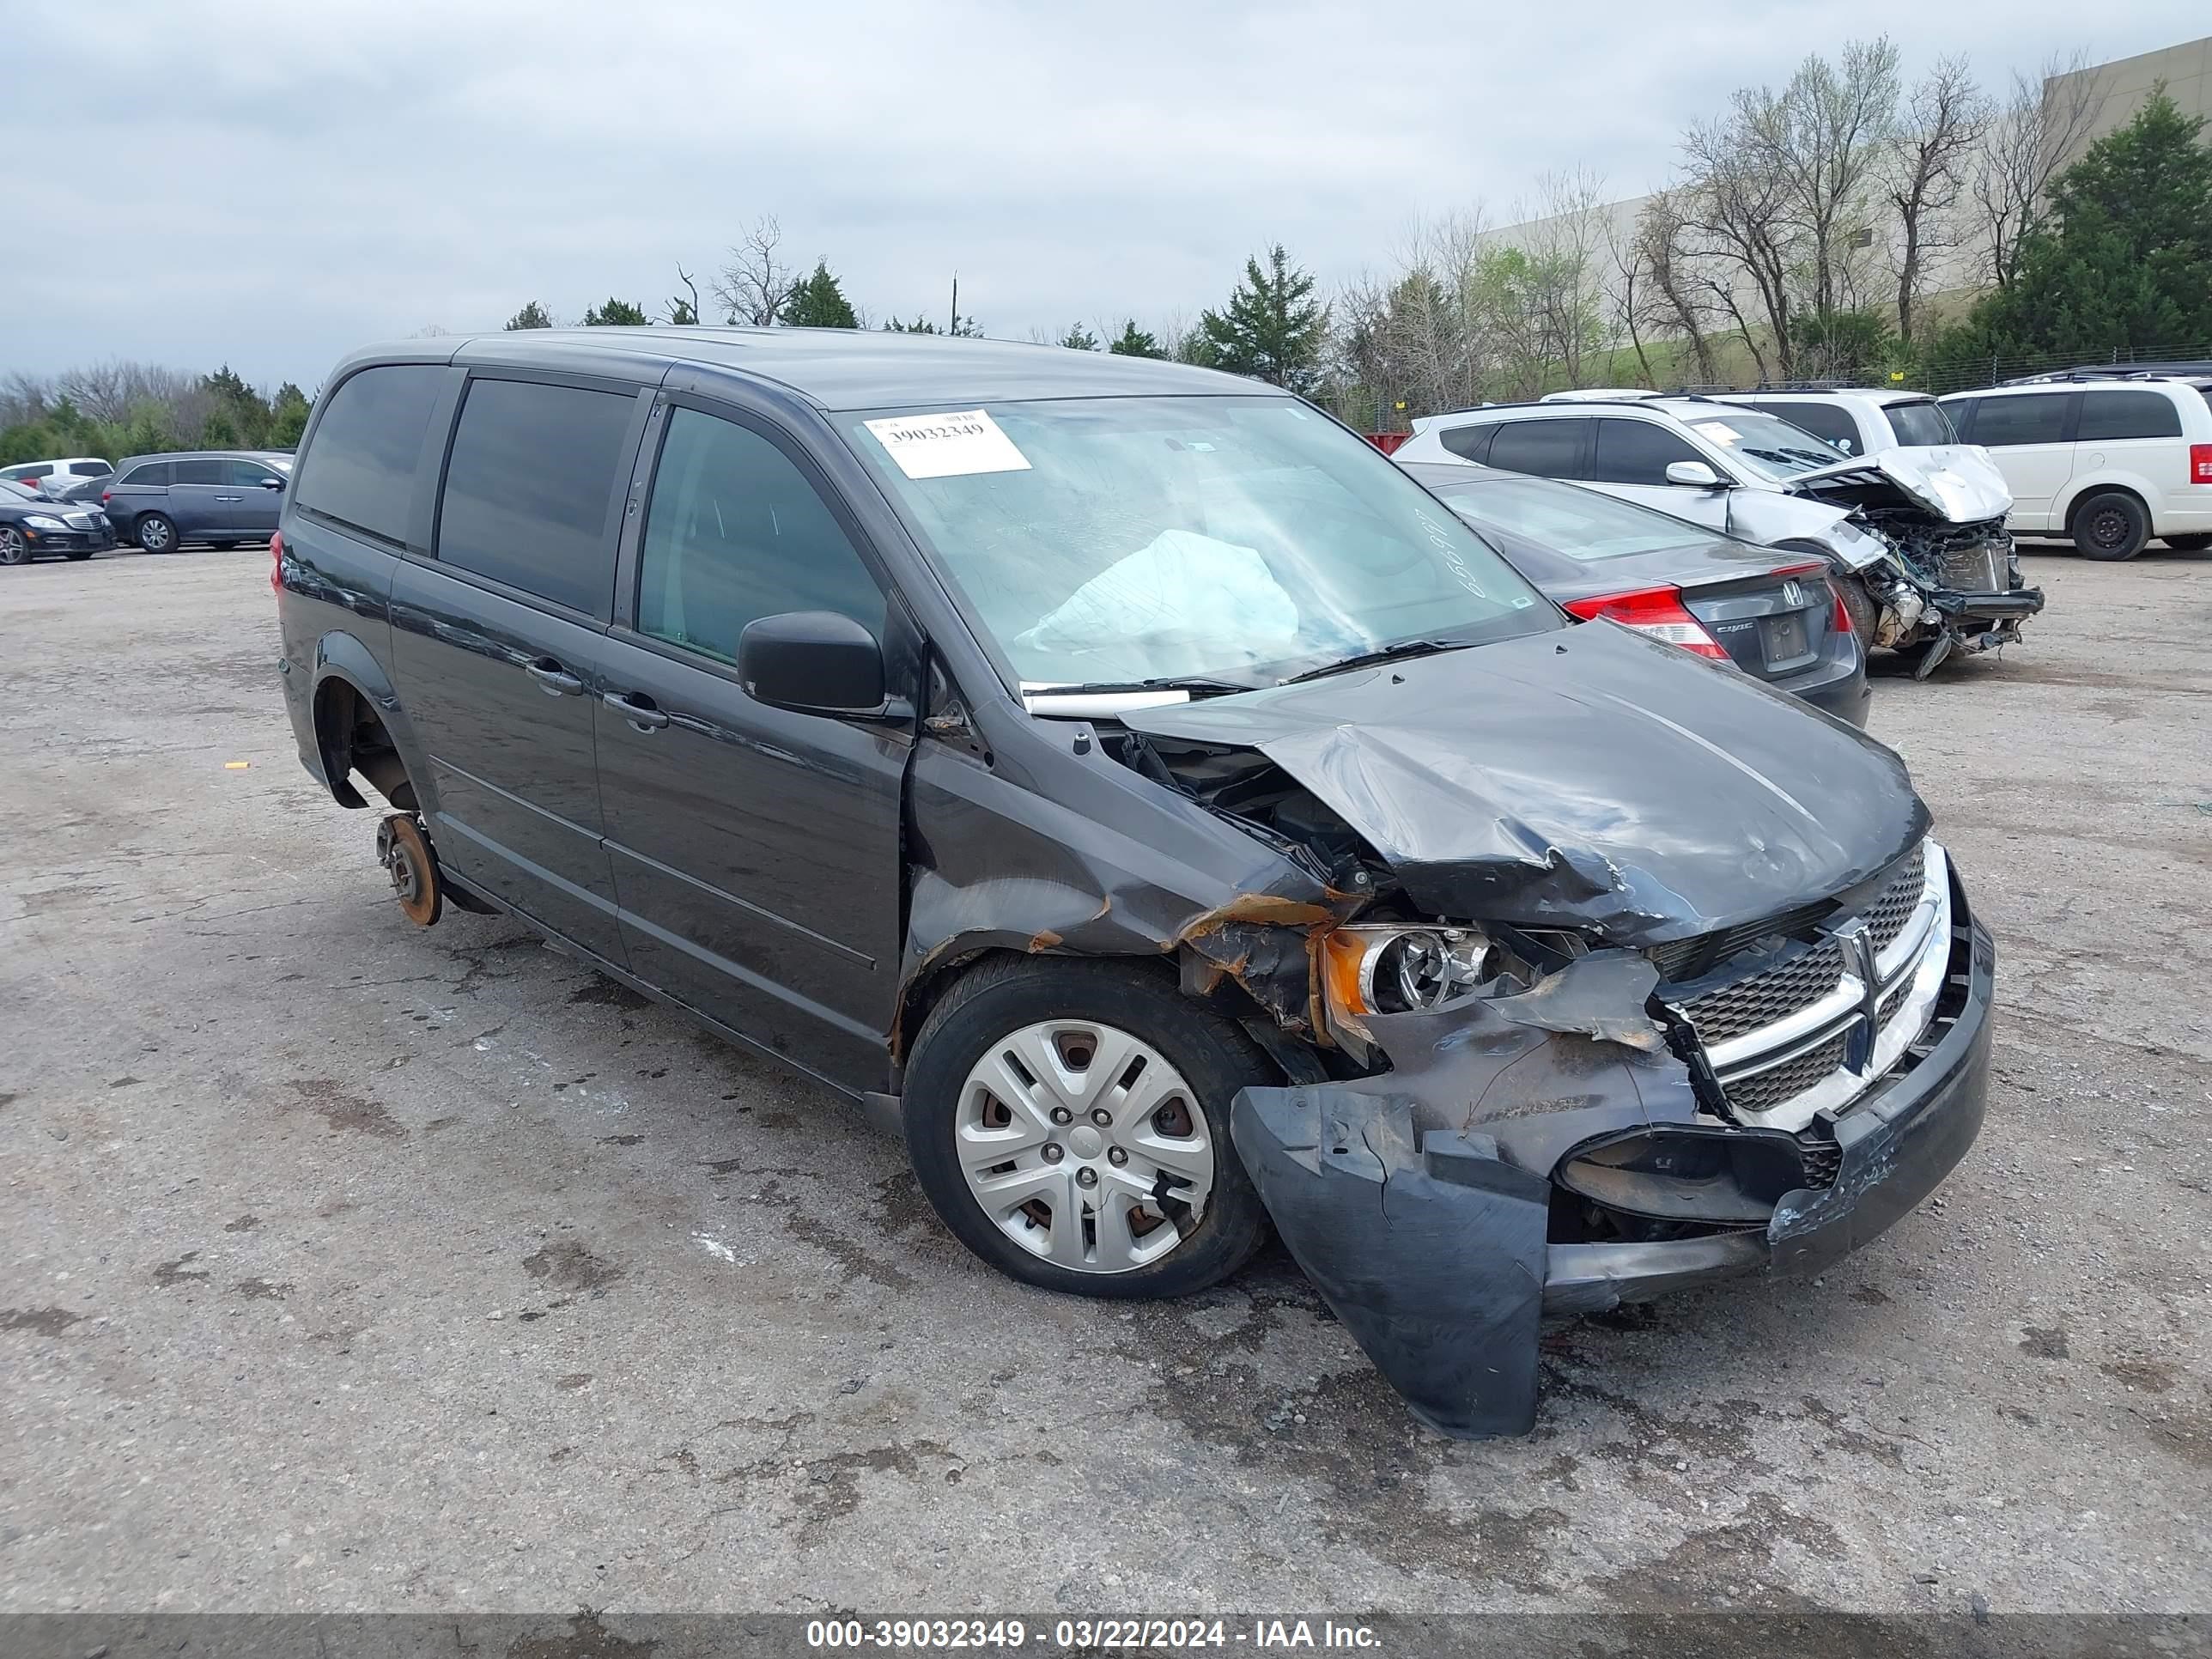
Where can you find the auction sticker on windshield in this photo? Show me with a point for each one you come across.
(948, 446)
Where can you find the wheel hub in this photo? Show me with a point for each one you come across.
(1084, 1145)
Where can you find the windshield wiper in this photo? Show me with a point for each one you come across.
(1195, 685)
(1402, 649)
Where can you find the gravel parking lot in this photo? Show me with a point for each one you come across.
(357, 1266)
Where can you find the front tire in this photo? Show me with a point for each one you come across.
(2189, 543)
(15, 547)
(1068, 1119)
(2110, 527)
(156, 533)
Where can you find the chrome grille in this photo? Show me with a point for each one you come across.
(1766, 997)
(1886, 916)
(1777, 1037)
(1763, 998)
(1764, 1090)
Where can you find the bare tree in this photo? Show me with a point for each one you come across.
(1945, 116)
(683, 311)
(2036, 134)
(1821, 140)
(1671, 289)
(755, 284)
(1563, 245)
(1736, 220)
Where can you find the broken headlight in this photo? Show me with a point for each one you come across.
(1400, 970)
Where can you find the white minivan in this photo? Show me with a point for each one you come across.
(2109, 461)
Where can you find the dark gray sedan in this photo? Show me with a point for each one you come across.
(222, 497)
(1772, 614)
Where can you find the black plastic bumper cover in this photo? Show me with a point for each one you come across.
(1433, 1251)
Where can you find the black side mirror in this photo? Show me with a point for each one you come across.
(816, 662)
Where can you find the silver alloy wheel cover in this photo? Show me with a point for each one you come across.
(1008, 1167)
(12, 547)
(158, 530)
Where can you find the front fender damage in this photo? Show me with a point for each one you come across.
(1418, 1201)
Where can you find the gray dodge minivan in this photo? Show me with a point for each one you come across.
(1132, 786)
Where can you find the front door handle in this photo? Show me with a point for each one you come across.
(640, 710)
(230, 498)
(557, 681)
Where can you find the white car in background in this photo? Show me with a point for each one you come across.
(1858, 421)
(2109, 460)
(1914, 538)
(51, 478)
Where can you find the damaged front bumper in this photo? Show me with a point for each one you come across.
(1425, 1215)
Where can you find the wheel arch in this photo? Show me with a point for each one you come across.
(2106, 484)
(355, 705)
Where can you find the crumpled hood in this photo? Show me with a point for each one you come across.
(1580, 778)
(1957, 483)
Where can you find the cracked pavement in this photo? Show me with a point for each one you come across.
(355, 1267)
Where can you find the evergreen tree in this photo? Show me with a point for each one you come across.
(2125, 257)
(1273, 328)
(533, 315)
(819, 301)
(1134, 342)
(1079, 338)
(288, 416)
(615, 314)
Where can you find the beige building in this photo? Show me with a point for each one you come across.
(2117, 90)
(2121, 86)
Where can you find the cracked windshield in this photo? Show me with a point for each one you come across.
(1229, 542)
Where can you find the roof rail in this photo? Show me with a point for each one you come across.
(1804, 386)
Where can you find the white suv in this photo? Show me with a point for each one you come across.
(1857, 421)
(2108, 460)
(50, 478)
(1914, 535)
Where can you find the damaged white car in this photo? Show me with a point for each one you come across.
(1915, 536)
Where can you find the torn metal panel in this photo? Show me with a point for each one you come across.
(1449, 767)
(1096, 861)
(1602, 995)
(1958, 483)
(1428, 1248)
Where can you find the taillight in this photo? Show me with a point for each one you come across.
(2200, 464)
(276, 560)
(1840, 620)
(106, 496)
(1658, 611)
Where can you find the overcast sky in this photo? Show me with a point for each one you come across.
(272, 183)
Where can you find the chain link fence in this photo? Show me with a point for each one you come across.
(1374, 409)
(1995, 369)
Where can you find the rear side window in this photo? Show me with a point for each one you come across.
(736, 533)
(2109, 414)
(1638, 453)
(360, 469)
(1550, 449)
(2024, 418)
(530, 491)
(155, 474)
(1469, 443)
(201, 472)
(1920, 422)
(1829, 420)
